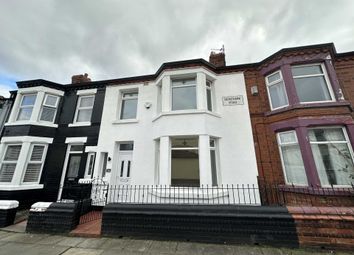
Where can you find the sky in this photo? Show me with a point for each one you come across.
(55, 39)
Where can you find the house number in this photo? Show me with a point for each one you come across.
(232, 100)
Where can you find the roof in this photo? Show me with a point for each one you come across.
(179, 64)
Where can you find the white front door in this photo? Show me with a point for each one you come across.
(124, 167)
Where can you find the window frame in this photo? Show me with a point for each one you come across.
(78, 108)
(195, 85)
(87, 167)
(20, 105)
(28, 161)
(122, 100)
(49, 106)
(270, 84)
(209, 87)
(10, 162)
(347, 141)
(324, 74)
(214, 148)
(280, 145)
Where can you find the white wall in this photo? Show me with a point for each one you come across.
(230, 124)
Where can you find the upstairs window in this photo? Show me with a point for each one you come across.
(209, 94)
(49, 108)
(276, 90)
(184, 94)
(84, 108)
(35, 164)
(311, 83)
(26, 107)
(9, 162)
(291, 157)
(129, 105)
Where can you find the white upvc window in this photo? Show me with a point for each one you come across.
(184, 94)
(292, 162)
(9, 162)
(213, 162)
(333, 155)
(276, 90)
(84, 109)
(129, 105)
(90, 164)
(26, 106)
(209, 95)
(49, 108)
(312, 83)
(34, 164)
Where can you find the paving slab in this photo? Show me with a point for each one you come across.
(115, 244)
(162, 247)
(24, 238)
(4, 234)
(184, 248)
(247, 250)
(82, 251)
(71, 241)
(124, 252)
(44, 249)
(138, 245)
(211, 249)
(92, 243)
(15, 248)
(52, 239)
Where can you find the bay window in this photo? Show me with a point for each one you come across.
(276, 90)
(9, 162)
(209, 95)
(26, 106)
(184, 96)
(291, 157)
(35, 164)
(185, 161)
(49, 108)
(311, 83)
(333, 156)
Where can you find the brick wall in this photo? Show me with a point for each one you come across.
(267, 151)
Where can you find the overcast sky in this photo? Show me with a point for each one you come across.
(54, 39)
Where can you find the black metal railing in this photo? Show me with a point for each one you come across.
(236, 194)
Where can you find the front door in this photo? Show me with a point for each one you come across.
(124, 167)
(73, 168)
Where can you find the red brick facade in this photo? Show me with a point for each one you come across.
(264, 120)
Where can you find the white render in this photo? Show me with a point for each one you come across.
(230, 125)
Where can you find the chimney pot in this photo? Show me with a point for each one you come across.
(217, 59)
(80, 78)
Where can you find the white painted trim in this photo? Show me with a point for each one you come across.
(8, 204)
(29, 139)
(185, 112)
(76, 140)
(21, 187)
(125, 121)
(90, 148)
(34, 123)
(86, 92)
(79, 124)
(40, 89)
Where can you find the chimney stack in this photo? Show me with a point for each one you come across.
(80, 78)
(218, 58)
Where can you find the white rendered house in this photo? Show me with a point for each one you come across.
(185, 126)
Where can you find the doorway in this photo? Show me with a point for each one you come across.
(125, 162)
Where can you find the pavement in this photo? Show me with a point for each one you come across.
(37, 244)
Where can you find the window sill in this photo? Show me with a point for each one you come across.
(186, 112)
(319, 191)
(20, 187)
(79, 124)
(34, 123)
(307, 105)
(127, 121)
